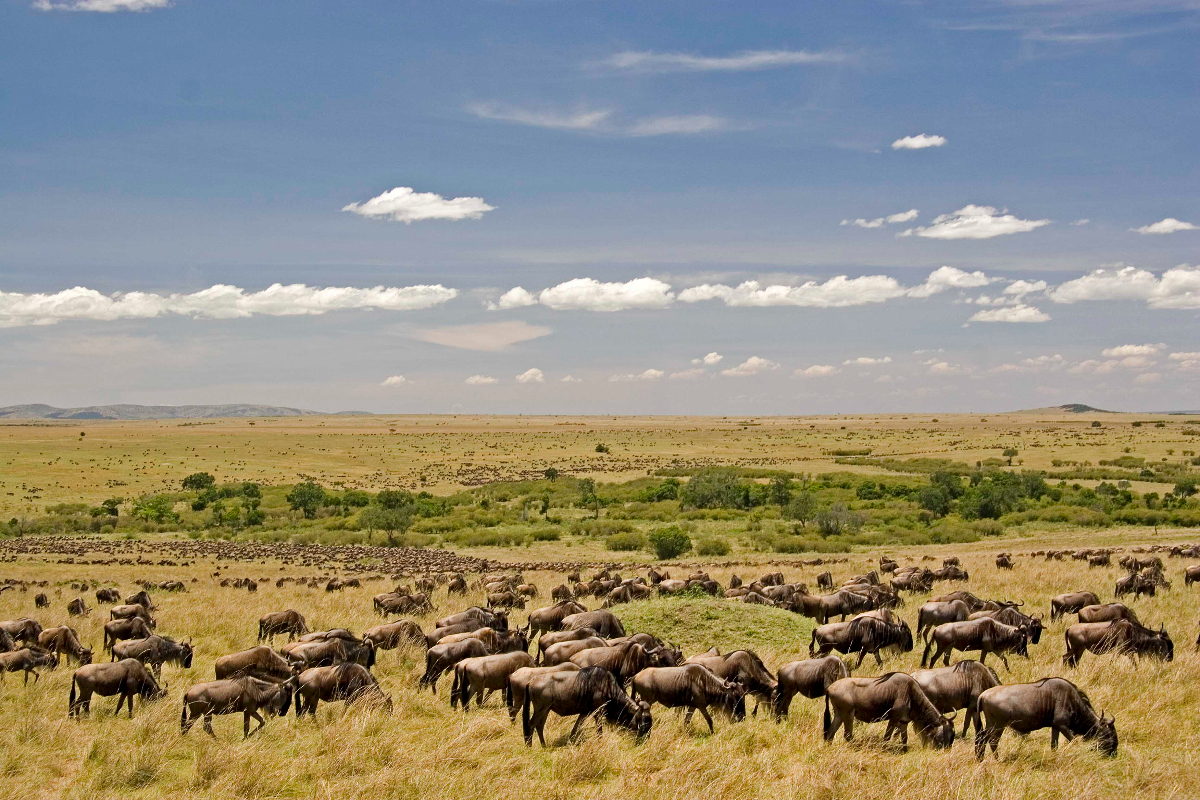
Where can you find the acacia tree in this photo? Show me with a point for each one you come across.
(306, 497)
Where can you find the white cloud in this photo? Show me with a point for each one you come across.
(688, 374)
(1133, 350)
(751, 366)
(481, 380)
(532, 375)
(878, 222)
(1163, 226)
(1094, 366)
(394, 380)
(648, 375)
(1178, 288)
(101, 6)
(712, 359)
(217, 302)
(489, 337)
(403, 204)
(867, 361)
(817, 371)
(1035, 364)
(571, 379)
(1017, 313)
(580, 119)
(1081, 222)
(919, 142)
(666, 126)
(837, 292)
(515, 297)
(588, 294)
(943, 368)
(975, 222)
(1184, 356)
(944, 278)
(750, 60)
(1148, 377)
(1022, 288)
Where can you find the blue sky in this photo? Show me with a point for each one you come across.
(633, 167)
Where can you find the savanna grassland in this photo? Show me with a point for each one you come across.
(106, 503)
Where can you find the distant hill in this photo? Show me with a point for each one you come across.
(125, 411)
(1067, 408)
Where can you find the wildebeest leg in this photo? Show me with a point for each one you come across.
(246, 722)
(990, 735)
(783, 700)
(892, 728)
(704, 713)
(946, 658)
(1003, 659)
(848, 722)
(878, 660)
(578, 724)
(538, 722)
(208, 723)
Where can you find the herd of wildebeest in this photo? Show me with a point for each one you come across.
(585, 664)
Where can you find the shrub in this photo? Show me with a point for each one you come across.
(669, 542)
(625, 542)
(712, 546)
(715, 488)
(198, 481)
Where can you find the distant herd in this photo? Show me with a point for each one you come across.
(586, 665)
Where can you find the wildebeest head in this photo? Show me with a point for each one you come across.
(283, 700)
(1104, 732)
(1022, 646)
(150, 690)
(940, 735)
(642, 720)
(185, 654)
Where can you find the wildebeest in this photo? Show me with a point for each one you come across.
(481, 616)
(842, 603)
(1070, 603)
(1099, 560)
(108, 596)
(361, 651)
(1137, 585)
(958, 687)
(22, 630)
(895, 697)
(1053, 703)
(589, 691)
(154, 651)
(444, 656)
(505, 599)
(27, 660)
(550, 618)
(65, 641)
(325, 652)
(131, 611)
(624, 661)
(518, 684)
(350, 682)
(602, 621)
(1106, 612)
(1010, 616)
(974, 603)
(274, 623)
(390, 635)
(77, 608)
(951, 572)
(121, 629)
(690, 686)
(457, 585)
(985, 635)
(127, 679)
(403, 604)
(546, 640)
(1004, 561)
(485, 674)
(566, 650)
(141, 598)
(809, 677)
(744, 667)
(825, 581)
(245, 694)
(1119, 636)
(260, 662)
(1191, 574)
(42, 600)
(935, 613)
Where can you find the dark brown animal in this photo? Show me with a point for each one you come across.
(1070, 603)
(42, 600)
(895, 697)
(22, 630)
(690, 686)
(154, 651)
(27, 660)
(122, 629)
(126, 679)
(603, 621)
(583, 693)
(958, 687)
(290, 622)
(305, 655)
(744, 667)
(108, 596)
(551, 618)
(260, 662)
(985, 635)
(245, 694)
(349, 682)
(1106, 612)
(65, 641)
(932, 614)
(809, 677)
(623, 661)
(1116, 636)
(485, 674)
(390, 635)
(1053, 703)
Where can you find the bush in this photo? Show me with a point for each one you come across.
(713, 546)
(198, 481)
(625, 542)
(669, 543)
(715, 488)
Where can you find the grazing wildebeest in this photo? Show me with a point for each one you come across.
(566, 650)
(276, 622)
(27, 660)
(7, 644)
(1053, 703)
(624, 661)
(303, 655)
(1119, 636)
(481, 616)
(403, 604)
(1136, 585)
(842, 603)
(1070, 603)
(932, 614)
(77, 608)
(505, 599)
(154, 651)
(22, 630)
(744, 667)
(550, 618)
(870, 634)
(1004, 561)
(1106, 612)
(390, 635)
(442, 657)
(142, 598)
(121, 629)
(895, 697)
(361, 651)
(958, 687)
(485, 674)
(65, 641)
(974, 603)
(260, 662)
(518, 684)
(985, 635)
(586, 692)
(1191, 574)
(809, 677)
(690, 686)
(1099, 560)
(1010, 616)
(131, 611)
(457, 585)
(350, 682)
(825, 581)
(108, 596)
(42, 600)
(557, 637)
(123, 678)
(245, 694)
(602, 621)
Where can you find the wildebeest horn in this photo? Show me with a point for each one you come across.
(952, 716)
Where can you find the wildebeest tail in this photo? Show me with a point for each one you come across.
(183, 718)
(928, 648)
(826, 719)
(526, 726)
(71, 700)
(296, 699)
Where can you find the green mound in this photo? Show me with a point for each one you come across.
(696, 624)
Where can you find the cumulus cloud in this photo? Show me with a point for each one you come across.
(1093, 366)
(943, 367)
(817, 371)
(1081, 222)
(588, 294)
(531, 375)
(580, 119)
(919, 142)
(709, 360)
(1188, 361)
(1035, 364)
(1148, 377)
(944, 278)
(1168, 225)
(570, 379)
(751, 366)
(975, 222)
(867, 361)
(1125, 350)
(515, 297)
(481, 380)
(666, 126)
(648, 375)
(1023, 287)
(1017, 313)
(879, 222)
(101, 6)
(394, 380)
(217, 302)
(646, 61)
(403, 204)
(489, 337)
(688, 374)
(837, 292)
(1177, 288)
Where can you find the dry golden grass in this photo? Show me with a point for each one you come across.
(425, 749)
(50, 462)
